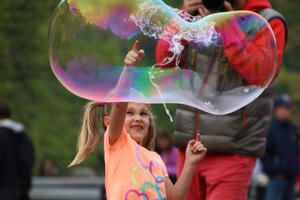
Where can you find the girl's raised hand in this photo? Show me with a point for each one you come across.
(195, 151)
(134, 56)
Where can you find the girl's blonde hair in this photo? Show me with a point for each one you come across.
(90, 131)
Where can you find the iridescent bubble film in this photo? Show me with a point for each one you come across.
(217, 64)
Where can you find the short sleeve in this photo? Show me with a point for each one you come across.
(122, 140)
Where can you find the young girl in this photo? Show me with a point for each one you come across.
(132, 169)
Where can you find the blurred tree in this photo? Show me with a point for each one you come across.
(27, 82)
(289, 9)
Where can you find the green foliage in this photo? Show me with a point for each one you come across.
(288, 82)
(290, 10)
(52, 114)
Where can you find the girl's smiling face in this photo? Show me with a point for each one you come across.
(137, 121)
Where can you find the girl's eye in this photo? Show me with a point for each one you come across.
(144, 114)
(128, 113)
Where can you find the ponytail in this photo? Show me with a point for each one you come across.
(89, 133)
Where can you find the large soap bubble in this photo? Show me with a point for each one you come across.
(217, 64)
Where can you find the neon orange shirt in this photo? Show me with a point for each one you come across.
(131, 171)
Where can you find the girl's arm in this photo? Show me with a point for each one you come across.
(195, 151)
(118, 111)
(116, 121)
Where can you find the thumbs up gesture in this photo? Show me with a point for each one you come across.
(134, 56)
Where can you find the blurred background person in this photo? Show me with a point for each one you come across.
(282, 152)
(16, 157)
(47, 168)
(168, 152)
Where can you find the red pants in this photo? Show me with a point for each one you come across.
(219, 177)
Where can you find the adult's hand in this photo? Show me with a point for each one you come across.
(227, 6)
